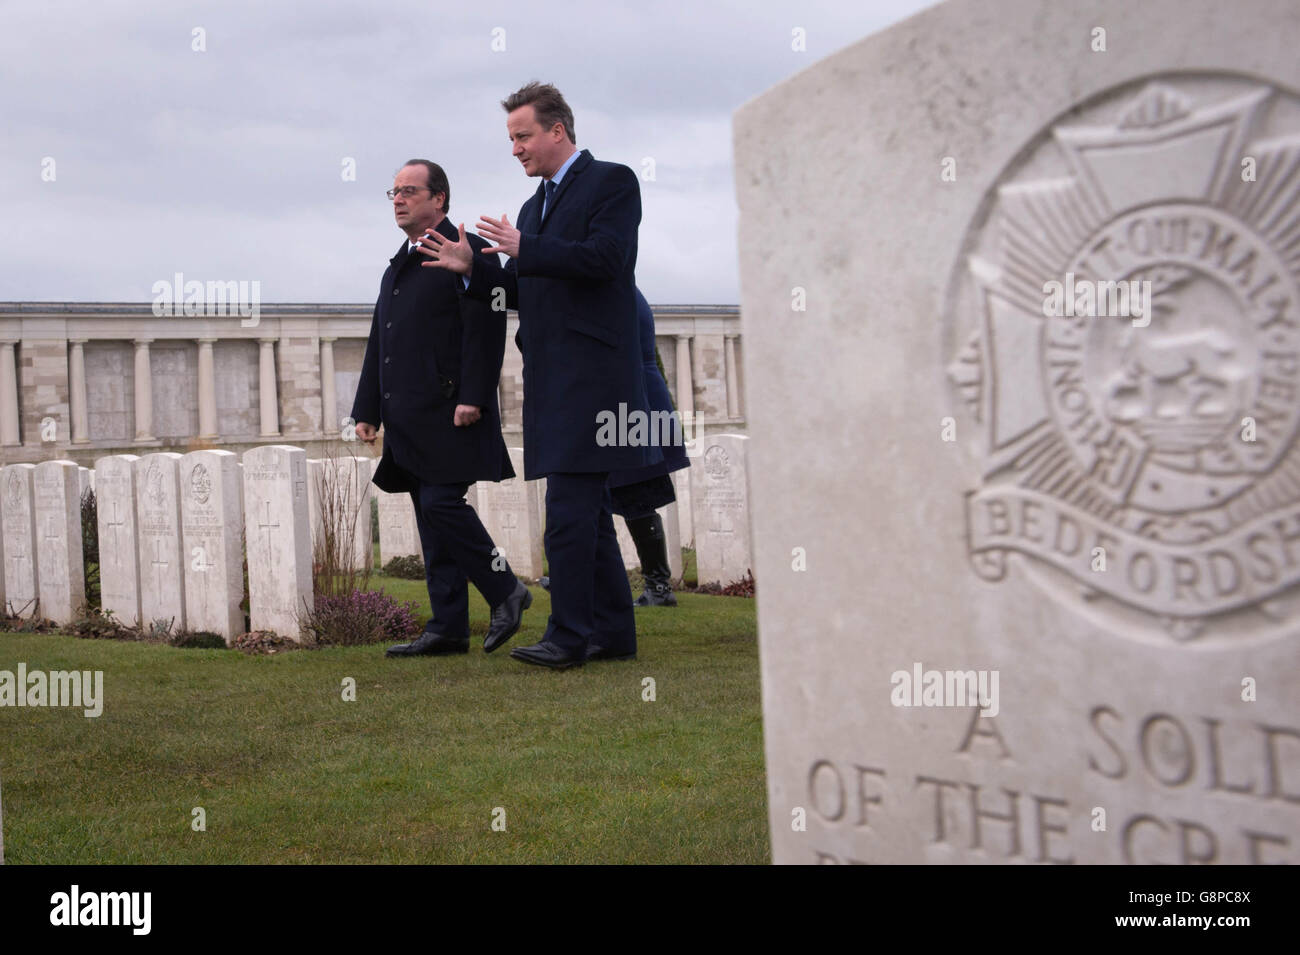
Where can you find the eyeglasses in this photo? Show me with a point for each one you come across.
(406, 191)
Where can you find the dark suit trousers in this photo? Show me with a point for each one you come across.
(591, 601)
(457, 548)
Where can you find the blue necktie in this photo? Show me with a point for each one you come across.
(550, 197)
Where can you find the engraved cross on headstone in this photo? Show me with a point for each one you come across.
(158, 562)
(115, 524)
(15, 558)
(266, 525)
(510, 525)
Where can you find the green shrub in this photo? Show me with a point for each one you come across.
(407, 567)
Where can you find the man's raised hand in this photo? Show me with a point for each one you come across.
(502, 233)
(445, 254)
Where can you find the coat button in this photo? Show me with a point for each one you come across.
(389, 325)
(385, 394)
(387, 360)
(396, 290)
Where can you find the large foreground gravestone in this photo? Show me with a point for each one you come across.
(1015, 484)
(720, 496)
(60, 565)
(511, 510)
(159, 541)
(119, 557)
(20, 571)
(278, 538)
(212, 521)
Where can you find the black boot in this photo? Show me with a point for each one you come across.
(648, 535)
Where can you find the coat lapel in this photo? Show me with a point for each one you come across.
(534, 207)
(575, 170)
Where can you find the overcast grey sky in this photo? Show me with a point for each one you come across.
(227, 163)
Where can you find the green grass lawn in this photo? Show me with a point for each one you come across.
(286, 771)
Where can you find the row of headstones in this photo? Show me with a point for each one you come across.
(513, 512)
(169, 530)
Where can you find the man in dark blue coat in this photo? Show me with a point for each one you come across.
(571, 276)
(430, 378)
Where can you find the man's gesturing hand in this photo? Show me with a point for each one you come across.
(502, 233)
(445, 254)
(467, 415)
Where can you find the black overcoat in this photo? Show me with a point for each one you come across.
(431, 348)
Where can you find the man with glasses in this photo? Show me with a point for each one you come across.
(430, 378)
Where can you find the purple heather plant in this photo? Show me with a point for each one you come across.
(362, 616)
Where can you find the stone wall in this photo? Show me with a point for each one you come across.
(76, 365)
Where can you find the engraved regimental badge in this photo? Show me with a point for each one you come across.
(153, 485)
(200, 484)
(13, 490)
(1124, 333)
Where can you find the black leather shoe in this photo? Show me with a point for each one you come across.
(430, 644)
(544, 583)
(506, 617)
(600, 653)
(547, 655)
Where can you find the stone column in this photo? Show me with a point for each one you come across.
(8, 394)
(328, 400)
(143, 391)
(77, 391)
(733, 387)
(685, 389)
(267, 392)
(207, 390)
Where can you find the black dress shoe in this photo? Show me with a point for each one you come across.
(600, 653)
(547, 655)
(430, 644)
(506, 617)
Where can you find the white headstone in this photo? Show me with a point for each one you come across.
(673, 537)
(988, 477)
(511, 512)
(158, 538)
(353, 490)
(719, 494)
(20, 570)
(682, 485)
(60, 562)
(338, 492)
(278, 538)
(212, 517)
(119, 552)
(398, 534)
(84, 482)
(315, 483)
